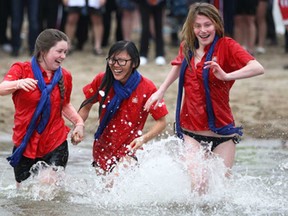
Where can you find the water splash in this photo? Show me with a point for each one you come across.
(161, 185)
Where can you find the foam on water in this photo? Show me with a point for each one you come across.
(161, 181)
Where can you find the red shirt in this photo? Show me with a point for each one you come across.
(25, 104)
(230, 56)
(126, 124)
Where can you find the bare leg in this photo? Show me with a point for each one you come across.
(262, 25)
(98, 31)
(226, 151)
(71, 25)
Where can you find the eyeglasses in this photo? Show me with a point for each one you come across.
(121, 62)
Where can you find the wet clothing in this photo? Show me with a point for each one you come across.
(57, 157)
(193, 117)
(209, 142)
(25, 103)
(126, 124)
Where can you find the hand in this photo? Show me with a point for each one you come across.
(217, 70)
(136, 144)
(155, 97)
(77, 134)
(27, 84)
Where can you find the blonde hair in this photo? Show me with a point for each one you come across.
(188, 36)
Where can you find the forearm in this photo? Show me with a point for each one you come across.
(155, 130)
(253, 68)
(8, 87)
(71, 114)
(172, 76)
(84, 111)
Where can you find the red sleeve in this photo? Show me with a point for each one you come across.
(19, 70)
(90, 89)
(231, 55)
(179, 58)
(161, 110)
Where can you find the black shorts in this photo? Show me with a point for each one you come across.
(210, 142)
(58, 157)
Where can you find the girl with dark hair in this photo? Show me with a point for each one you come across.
(121, 92)
(208, 63)
(41, 92)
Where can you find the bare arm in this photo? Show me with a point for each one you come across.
(71, 114)
(9, 87)
(84, 111)
(159, 94)
(253, 68)
(155, 130)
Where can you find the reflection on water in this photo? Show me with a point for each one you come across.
(158, 186)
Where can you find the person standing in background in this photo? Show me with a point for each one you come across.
(127, 9)
(156, 10)
(95, 10)
(244, 24)
(110, 8)
(5, 14)
(261, 26)
(17, 15)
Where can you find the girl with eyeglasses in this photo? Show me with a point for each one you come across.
(121, 92)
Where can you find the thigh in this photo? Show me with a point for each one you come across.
(59, 156)
(22, 170)
(226, 151)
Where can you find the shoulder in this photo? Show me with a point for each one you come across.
(67, 76)
(66, 73)
(226, 41)
(19, 70)
(147, 82)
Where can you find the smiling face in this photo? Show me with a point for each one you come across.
(204, 30)
(120, 71)
(52, 59)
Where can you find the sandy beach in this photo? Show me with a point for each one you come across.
(259, 104)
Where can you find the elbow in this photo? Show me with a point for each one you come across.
(261, 70)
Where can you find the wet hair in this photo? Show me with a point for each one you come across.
(188, 36)
(45, 40)
(108, 78)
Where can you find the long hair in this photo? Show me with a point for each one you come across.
(108, 78)
(188, 36)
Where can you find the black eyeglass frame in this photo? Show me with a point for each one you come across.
(112, 61)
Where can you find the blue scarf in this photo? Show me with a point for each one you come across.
(225, 130)
(121, 93)
(42, 112)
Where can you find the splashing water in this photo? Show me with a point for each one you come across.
(159, 185)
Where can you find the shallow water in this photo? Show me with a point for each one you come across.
(159, 185)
